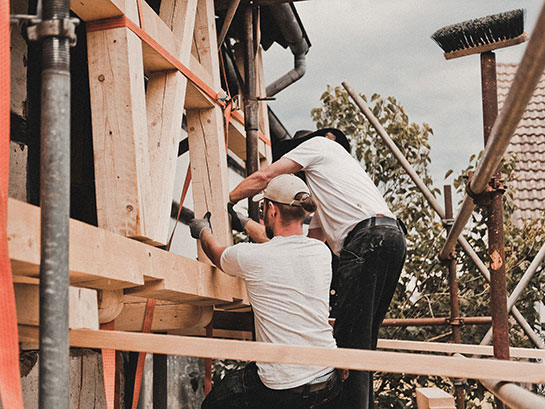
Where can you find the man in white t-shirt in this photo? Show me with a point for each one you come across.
(359, 228)
(288, 280)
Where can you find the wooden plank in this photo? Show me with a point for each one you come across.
(120, 141)
(104, 260)
(165, 97)
(82, 306)
(449, 348)
(434, 398)
(421, 364)
(166, 317)
(89, 10)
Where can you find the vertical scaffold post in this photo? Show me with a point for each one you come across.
(55, 210)
(494, 207)
(453, 292)
(251, 108)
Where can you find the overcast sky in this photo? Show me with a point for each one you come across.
(385, 47)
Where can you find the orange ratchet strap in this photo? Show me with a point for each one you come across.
(11, 395)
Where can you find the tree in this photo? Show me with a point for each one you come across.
(423, 287)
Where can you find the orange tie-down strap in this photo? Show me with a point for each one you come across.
(11, 395)
(123, 21)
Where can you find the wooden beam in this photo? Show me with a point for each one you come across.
(82, 302)
(89, 10)
(206, 135)
(525, 353)
(165, 97)
(166, 317)
(120, 140)
(103, 260)
(362, 360)
(434, 398)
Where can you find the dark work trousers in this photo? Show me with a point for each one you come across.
(369, 267)
(243, 389)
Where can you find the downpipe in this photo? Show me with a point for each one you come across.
(290, 29)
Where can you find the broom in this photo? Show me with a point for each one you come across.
(481, 34)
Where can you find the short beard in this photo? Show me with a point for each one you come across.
(269, 232)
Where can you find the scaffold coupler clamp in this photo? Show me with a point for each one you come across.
(456, 322)
(38, 28)
(447, 224)
(480, 199)
(63, 28)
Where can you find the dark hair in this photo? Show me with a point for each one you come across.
(294, 212)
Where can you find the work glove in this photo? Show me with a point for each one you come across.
(197, 226)
(238, 220)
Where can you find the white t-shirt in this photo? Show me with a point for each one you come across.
(288, 281)
(344, 192)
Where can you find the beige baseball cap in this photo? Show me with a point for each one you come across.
(283, 189)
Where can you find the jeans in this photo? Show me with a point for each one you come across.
(370, 264)
(243, 389)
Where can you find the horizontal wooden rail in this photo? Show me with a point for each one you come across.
(400, 345)
(396, 362)
(103, 260)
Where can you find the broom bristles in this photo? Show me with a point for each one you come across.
(480, 31)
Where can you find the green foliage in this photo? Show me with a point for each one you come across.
(423, 289)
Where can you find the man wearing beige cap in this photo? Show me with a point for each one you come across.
(354, 218)
(288, 280)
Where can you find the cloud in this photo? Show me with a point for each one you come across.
(385, 47)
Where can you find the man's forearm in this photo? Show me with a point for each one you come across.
(212, 247)
(256, 231)
(249, 187)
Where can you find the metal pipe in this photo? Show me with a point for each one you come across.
(526, 78)
(227, 21)
(425, 322)
(288, 25)
(513, 395)
(494, 207)
(55, 213)
(454, 304)
(251, 119)
(521, 286)
(435, 205)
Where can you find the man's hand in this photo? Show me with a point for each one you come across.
(238, 220)
(197, 226)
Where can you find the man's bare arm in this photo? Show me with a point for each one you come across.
(212, 247)
(259, 180)
(316, 233)
(256, 231)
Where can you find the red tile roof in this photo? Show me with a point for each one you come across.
(528, 143)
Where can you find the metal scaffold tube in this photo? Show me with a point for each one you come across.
(436, 206)
(528, 74)
(521, 286)
(55, 212)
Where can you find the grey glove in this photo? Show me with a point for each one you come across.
(197, 226)
(238, 220)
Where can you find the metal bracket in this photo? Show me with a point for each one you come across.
(496, 185)
(65, 28)
(457, 322)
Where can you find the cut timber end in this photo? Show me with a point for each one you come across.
(434, 398)
(486, 47)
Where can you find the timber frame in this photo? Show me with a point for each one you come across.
(145, 70)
